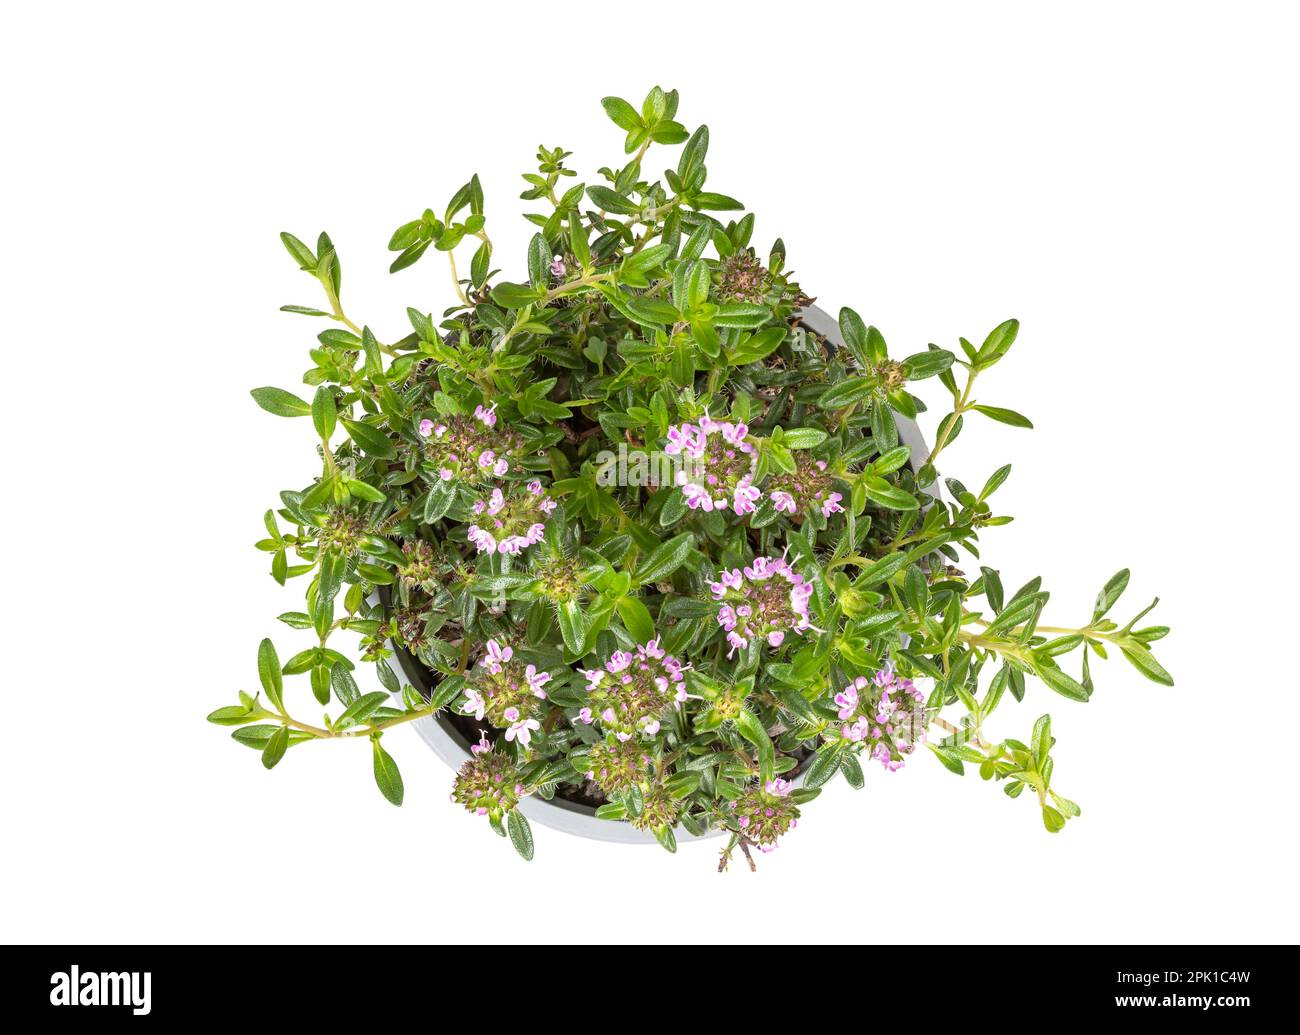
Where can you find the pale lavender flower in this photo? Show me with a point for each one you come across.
(474, 704)
(537, 680)
(471, 448)
(720, 469)
(808, 487)
(636, 690)
(522, 730)
(496, 656)
(512, 519)
(885, 714)
(770, 601)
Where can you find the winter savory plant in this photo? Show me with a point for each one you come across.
(655, 543)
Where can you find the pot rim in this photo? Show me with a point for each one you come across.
(449, 745)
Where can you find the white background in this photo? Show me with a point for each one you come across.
(1121, 177)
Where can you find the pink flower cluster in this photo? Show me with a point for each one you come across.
(719, 465)
(764, 814)
(488, 783)
(767, 599)
(469, 449)
(809, 487)
(885, 715)
(513, 522)
(506, 693)
(632, 692)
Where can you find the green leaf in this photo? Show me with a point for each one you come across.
(757, 347)
(539, 262)
(891, 461)
(574, 626)
(275, 747)
(636, 619)
(927, 364)
(515, 296)
(235, 715)
(300, 252)
(803, 438)
(881, 570)
(995, 481)
(995, 346)
(1110, 593)
(824, 765)
(376, 574)
(707, 200)
(324, 414)
(799, 706)
(479, 264)
(1004, 416)
(693, 154)
(1063, 683)
(610, 201)
(409, 256)
(439, 500)
(1144, 661)
(750, 728)
(665, 559)
(651, 312)
(387, 775)
(884, 429)
(405, 235)
(950, 760)
(854, 331)
(880, 491)
(848, 392)
(447, 691)
(742, 314)
(992, 588)
(280, 402)
(269, 672)
(666, 838)
(364, 491)
(371, 440)
(345, 687)
(1053, 820)
(648, 259)
(623, 115)
(674, 508)
(521, 835)
(852, 771)
(1041, 741)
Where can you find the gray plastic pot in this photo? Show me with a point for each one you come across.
(449, 745)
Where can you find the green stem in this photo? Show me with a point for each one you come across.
(455, 277)
(575, 285)
(363, 731)
(960, 407)
(336, 309)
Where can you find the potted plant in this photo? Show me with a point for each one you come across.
(645, 543)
